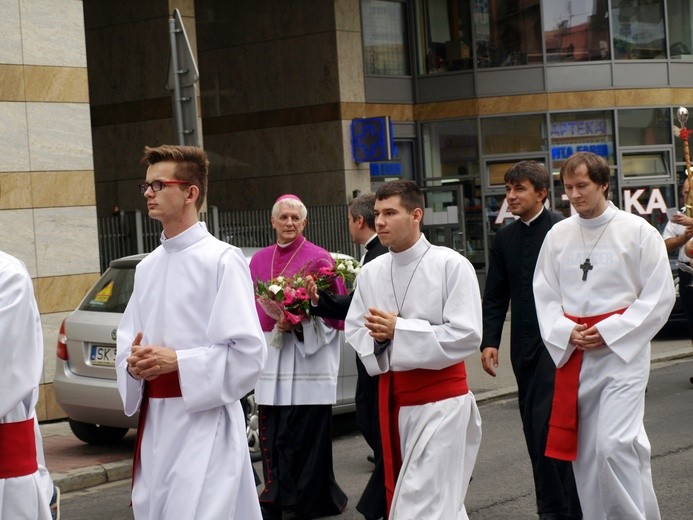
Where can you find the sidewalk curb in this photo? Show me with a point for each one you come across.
(89, 476)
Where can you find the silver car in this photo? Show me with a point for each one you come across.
(85, 376)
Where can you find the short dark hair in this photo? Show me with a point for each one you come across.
(597, 168)
(362, 206)
(192, 164)
(410, 194)
(533, 171)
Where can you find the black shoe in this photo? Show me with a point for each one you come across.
(691, 380)
(371, 458)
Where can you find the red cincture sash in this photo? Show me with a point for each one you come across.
(412, 387)
(17, 449)
(562, 439)
(166, 385)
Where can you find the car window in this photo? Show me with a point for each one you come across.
(112, 292)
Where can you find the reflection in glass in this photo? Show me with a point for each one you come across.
(507, 33)
(678, 144)
(638, 27)
(680, 28)
(581, 132)
(648, 126)
(645, 164)
(385, 50)
(446, 34)
(576, 30)
(451, 151)
(514, 134)
(573, 132)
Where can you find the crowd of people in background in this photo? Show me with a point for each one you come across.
(195, 339)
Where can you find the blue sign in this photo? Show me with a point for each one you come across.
(559, 153)
(386, 169)
(372, 139)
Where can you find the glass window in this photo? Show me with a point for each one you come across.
(638, 27)
(576, 30)
(451, 151)
(507, 33)
(516, 134)
(678, 143)
(446, 35)
(112, 292)
(650, 202)
(645, 164)
(680, 29)
(571, 132)
(649, 126)
(385, 50)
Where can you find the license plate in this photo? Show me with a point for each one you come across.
(102, 356)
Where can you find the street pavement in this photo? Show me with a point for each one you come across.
(75, 465)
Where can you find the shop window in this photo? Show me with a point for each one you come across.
(638, 29)
(385, 51)
(450, 151)
(571, 132)
(507, 33)
(644, 127)
(646, 164)
(680, 22)
(445, 33)
(576, 30)
(516, 134)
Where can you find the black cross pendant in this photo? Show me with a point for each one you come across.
(586, 267)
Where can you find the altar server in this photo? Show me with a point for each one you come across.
(603, 288)
(414, 319)
(26, 488)
(189, 347)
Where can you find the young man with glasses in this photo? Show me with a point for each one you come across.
(189, 347)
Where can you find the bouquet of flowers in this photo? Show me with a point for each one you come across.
(286, 298)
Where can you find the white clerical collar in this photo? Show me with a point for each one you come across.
(535, 217)
(289, 243)
(605, 217)
(181, 241)
(413, 253)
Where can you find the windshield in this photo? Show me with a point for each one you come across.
(112, 292)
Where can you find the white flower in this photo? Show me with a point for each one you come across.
(351, 269)
(298, 281)
(340, 267)
(280, 279)
(274, 288)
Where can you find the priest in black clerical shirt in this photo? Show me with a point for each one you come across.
(511, 268)
(362, 230)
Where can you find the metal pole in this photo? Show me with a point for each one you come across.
(178, 109)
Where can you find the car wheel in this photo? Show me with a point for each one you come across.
(96, 434)
(252, 426)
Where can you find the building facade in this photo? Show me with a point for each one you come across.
(47, 202)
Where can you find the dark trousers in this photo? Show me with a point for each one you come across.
(554, 482)
(372, 504)
(297, 461)
(686, 295)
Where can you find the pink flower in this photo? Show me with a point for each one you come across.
(288, 298)
(301, 294)
(294, 319)
(326, 271)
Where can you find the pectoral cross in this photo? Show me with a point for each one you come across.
(586, 268)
